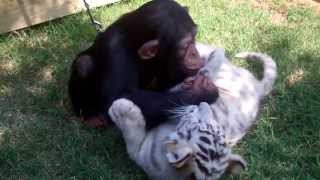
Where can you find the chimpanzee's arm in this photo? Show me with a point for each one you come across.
(118, 72)
(156, 106)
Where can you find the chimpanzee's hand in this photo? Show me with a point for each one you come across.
(187, 83)
(202, 89)
(98, 121)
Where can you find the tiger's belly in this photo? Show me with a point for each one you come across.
(238, 91)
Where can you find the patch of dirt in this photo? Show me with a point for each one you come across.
(295, 77)
(6, 66)
(305, 3)
(46, 74)
(279, 10)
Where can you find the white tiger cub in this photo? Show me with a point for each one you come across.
(194, 145)
(240, 92)
(165, 154)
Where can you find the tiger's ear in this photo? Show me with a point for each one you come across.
(236, 164)
(177, 155)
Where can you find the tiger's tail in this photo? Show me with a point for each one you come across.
(270, 69)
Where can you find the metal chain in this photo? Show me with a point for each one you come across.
(96, 24)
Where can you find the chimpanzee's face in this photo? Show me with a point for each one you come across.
(188, 55)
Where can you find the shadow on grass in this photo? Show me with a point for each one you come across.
(40, 138)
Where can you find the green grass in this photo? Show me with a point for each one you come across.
(41, 139)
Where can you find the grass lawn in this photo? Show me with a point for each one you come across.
(41, 139)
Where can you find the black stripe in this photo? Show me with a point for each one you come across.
(183, 159)
(213, 155)
(216, 171)
(201, 167)
(182, 123)
(188, 135)
(209, 127)
(206, 132)
(175, 155)
(180, 135)
(204, 150)
(203, 157)
(205, 140)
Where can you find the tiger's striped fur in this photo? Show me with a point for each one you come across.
(230, 117)
(196, 144)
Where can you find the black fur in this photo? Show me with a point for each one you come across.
(117, 70)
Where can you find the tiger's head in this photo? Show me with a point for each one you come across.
(198, 145)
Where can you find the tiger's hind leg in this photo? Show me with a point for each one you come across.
(129, 119)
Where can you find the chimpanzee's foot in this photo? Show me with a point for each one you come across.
(96, 122)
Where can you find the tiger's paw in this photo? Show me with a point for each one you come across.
(125, 114)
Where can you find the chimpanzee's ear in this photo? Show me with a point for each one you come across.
(149, 49)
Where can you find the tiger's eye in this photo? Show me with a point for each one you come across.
(192, 177)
